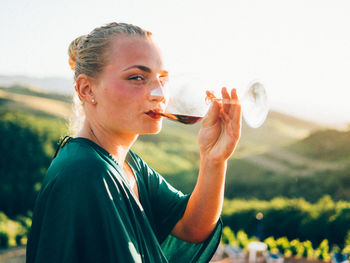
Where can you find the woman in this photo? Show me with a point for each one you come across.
(99, 201)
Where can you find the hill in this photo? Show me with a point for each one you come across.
(35, 101)
(52, 84)
(279, 156)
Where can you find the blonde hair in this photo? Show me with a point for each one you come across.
(88, 54)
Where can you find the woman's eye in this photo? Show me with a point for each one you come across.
(137, 78)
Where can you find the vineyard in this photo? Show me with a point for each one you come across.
(292, 250)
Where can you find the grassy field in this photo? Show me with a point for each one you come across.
(28, 102)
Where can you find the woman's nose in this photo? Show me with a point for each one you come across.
(158, 94)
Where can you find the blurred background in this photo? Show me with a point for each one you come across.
(294, 170)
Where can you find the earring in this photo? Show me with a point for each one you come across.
(93, 100)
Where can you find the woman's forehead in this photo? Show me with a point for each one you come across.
(127, 51)
(126, 46)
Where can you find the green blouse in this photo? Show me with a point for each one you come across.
(87, 212)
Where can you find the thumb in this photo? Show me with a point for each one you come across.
(213, 115)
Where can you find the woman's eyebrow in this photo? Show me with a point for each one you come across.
(147, 69)
(140, 67)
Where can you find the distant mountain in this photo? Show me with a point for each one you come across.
(49, 84)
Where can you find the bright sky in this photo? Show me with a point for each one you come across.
(299, 49)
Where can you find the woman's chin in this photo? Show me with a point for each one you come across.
(155, 128)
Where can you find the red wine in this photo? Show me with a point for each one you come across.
(185, 119)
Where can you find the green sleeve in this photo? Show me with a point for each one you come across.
(168, 206)
(163, 204)
(174, 248)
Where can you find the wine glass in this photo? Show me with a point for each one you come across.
(187, 105)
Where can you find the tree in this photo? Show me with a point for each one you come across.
(26, 149)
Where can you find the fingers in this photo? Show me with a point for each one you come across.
(210, 93)
(236, 115)
(232, 113)
(230, 108)
(213, 114)
(234, 96)
(235, 110)
(229, 102)
(225, 98)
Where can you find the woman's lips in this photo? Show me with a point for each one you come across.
(154, 115)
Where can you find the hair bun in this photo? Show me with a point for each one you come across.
(72, 51)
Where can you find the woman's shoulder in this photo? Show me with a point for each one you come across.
(78, 162)
(80, 149)
(79, 153)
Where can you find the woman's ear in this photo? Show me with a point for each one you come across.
(83, 86)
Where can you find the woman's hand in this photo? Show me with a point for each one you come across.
(221, 128)
(217, 138)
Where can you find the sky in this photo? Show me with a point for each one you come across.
(299, 49)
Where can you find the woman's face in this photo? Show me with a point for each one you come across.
(123, 89)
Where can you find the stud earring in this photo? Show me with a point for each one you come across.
(93, 100)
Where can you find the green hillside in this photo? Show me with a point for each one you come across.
(18, 89)
(35, 101)
(281, 169)
(270, 161)
(325, 145)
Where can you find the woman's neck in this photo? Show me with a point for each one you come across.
(117, 145)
